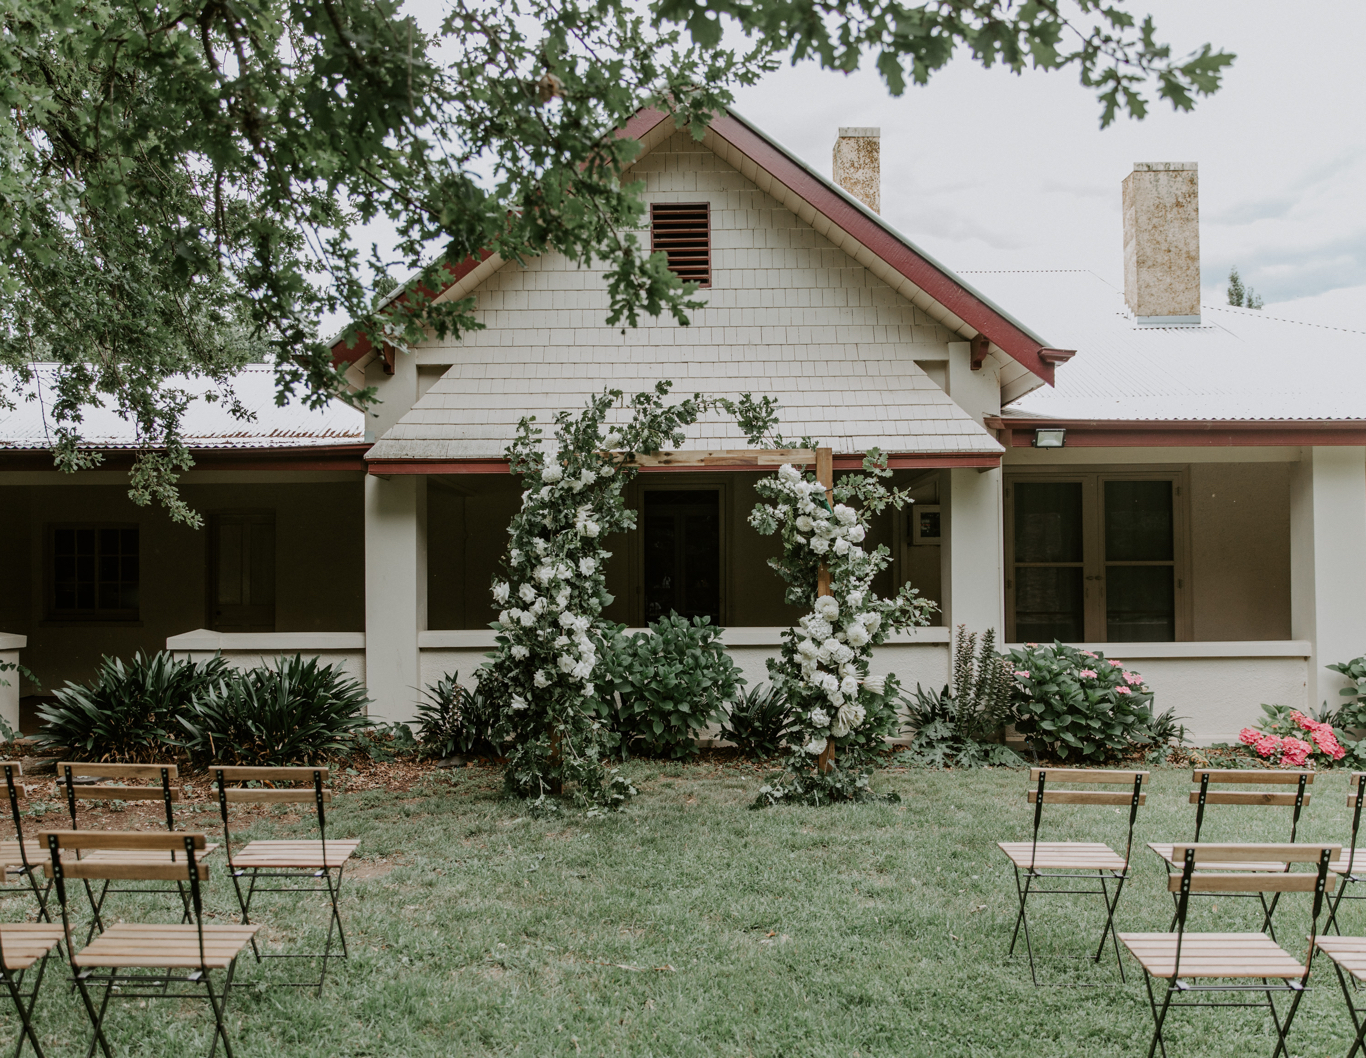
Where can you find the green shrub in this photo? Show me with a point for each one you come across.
(1352, 713)
(290, 712)
(660, 688)
(961, 728)
(454, 719)
(1074, 703)
(128, 711)
(760, 721)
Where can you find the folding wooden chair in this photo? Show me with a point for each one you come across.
(1353, 858)
(22, 857)
(1203, 796)
(286, 861)
(1037, 862)
(1181, 958)
(21, 945)
(137, 960)
(165, 792)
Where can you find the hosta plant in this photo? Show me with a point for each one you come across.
(291, 711)
(662, 687)
(1352, 713)
(1078, 705)
(128, 711)
(760, 723)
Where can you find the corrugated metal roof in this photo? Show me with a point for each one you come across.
(1235, 364)
(205, 424)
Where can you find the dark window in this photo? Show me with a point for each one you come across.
(683, 554)
(683, 232)
(1049, 597)
(1140, 589)
(242, 571)
(95, 572)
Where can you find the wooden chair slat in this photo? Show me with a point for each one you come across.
(119, 839)
(125, 793)
(1285, 852)
(1252, 775)
(1266, 882)
(1355, 780)
(17, 765)
(1248, 797)
(1085, 797)
(118, 771)
(295, 774)
(1088, 775)
(159, 871)
(276, 796)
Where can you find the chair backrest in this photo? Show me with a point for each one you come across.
(164, 792)
(1207, 778)
(1210, 878)
(1040, 793)
(154, 868)
(1356, 796)
(224, 774)
(17, 791)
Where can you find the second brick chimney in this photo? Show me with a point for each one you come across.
(858, 165)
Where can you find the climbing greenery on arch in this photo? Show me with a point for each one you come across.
(552, 589)
(823, 665)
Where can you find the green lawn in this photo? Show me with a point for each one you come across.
(689, 925)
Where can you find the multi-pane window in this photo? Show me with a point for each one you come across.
(682, 545)
(242, 571)
(1094, 558)
(95, 572)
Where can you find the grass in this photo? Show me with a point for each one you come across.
(689, 925)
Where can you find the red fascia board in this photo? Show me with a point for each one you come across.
(321, 457)
(946, 290)
(1090, 433)
(349, 354)
(906, 461)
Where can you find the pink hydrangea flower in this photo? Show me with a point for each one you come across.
(1022, 673)
(1248, 736)
(1296, 751)
(1133, 679)
(1267, 746)
(1089, 673)
(1088, 654)
(1123, 690)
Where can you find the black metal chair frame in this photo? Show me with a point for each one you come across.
(1355, 800)
(330, 886)
(1349, 986)
(120, 983)
(14, 982)
(1268, 910)
(1177, 986)
(29, 871)
(97, 903)
(1032, 875)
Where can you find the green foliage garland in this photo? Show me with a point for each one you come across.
(822, 669)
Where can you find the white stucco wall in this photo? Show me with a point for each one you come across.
(246, 650)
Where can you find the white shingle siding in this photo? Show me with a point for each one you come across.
(788, 315)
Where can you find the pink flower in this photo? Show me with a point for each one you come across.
(1090, 673)
(1123, 690)
(1267, 745)
(1133, 679)
(1296, 751)
(1022, 673)
(1088, 654)
(1031, 644)
(1248, 736)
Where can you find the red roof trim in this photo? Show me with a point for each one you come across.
(938, 284)
(1141, 433)
(905, 461)
(300, 457)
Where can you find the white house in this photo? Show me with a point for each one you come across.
(1181, 486)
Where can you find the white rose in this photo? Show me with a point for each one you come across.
(876, 685)
(855, 534)
(807, 649)
(815, 747)
(830, 647)
(845, 515)
(587, 476)
(841, 547)
(560, 642)
(582, 670)
(804, 524)
(872, 621)
(849, 686)
(541, 547)
(500, 593)
(588, 690)
(527, 593)
(820, 718)
(518, 702)
(538, 607)
(587, 565)
(607, 471)
(541, 679)
(566, 662)
(612, 440)
(788, 473)
(515, 556)
(562, 599)
(855, 599)
(526, 617)
(828, 607)
(504, 618)
(520, 652)
(590, 529)
(856, 635)
(552, 472)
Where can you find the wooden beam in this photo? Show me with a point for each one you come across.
(746, 457)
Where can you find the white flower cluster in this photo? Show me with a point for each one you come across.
(823, 530)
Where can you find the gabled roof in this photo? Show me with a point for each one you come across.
(1236, 365)
(848, 224)
(206, 425)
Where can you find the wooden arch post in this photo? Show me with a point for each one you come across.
(825, 474)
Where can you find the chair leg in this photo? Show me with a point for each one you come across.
(1283, 1031)
(96, 906)
(1359, 1044)
(1267, 912)
(96, 1020)
(220, 1030)
(1159, 1016)
(1109, 930)
(15, 983)
(1333, 904)
(244, 902)
(1022, 920)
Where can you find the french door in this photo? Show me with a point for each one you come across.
(1096, 557)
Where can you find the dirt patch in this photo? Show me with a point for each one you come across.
(366, 869)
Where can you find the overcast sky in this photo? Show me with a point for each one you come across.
(986, 169)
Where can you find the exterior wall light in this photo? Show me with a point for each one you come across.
(1050, 438)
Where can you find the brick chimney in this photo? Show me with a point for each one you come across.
(858, 165)
(1162, 242)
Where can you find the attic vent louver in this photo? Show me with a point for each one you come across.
(683, 232)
